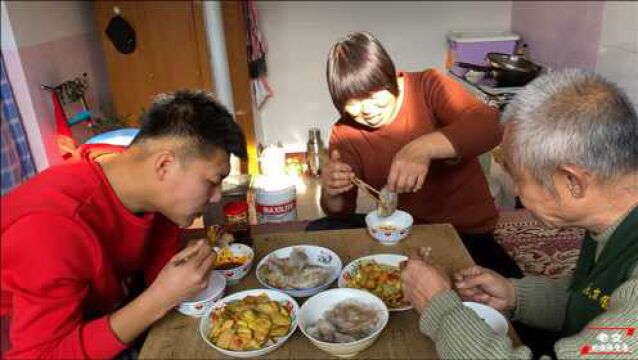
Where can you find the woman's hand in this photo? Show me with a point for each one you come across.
(410, 167)
(336, 176)
(485, 286)
(421, 281)
(184, 275)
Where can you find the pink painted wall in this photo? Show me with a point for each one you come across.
(55, 41)
(55, 61)
(560, 34)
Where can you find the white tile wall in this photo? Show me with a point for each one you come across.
(618, 50)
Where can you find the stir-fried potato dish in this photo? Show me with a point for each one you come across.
(382, 280)
(249, 324)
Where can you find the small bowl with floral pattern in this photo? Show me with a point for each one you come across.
(391, 229)
(234, 262)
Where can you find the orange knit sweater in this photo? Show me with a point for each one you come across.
(455, 190)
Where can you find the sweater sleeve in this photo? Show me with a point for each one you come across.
(459, 333)
(49, 282)
(350, 157)
(541, 302)
(471, 126)
(165, 242)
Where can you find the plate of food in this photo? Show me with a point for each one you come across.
(250, 323)
(300, 271)
(380, 275)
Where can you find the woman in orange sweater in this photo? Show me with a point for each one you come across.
(418, 134)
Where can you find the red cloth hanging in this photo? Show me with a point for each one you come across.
(64, 138)
(61, 124)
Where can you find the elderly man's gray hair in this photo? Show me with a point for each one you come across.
(572, 117)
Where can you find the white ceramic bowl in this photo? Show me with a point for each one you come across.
(202, 302)
(314, 308)
(400, 221)
(235, 274)
(317, 255)
(350, 270)
(206, 322)
(491, 316)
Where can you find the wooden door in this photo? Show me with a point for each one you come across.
(235, 38)
(171, 52)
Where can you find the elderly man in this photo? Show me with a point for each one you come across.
(571, 145)
(75, 235)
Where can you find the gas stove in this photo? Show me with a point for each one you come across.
(487, 90)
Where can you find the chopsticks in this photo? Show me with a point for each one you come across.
(367, 189)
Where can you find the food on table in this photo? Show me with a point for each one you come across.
(294, 272)
(386, 227)
(217, 236)
(252, 323)
(382, 280)
(226, 260)
(350, 320)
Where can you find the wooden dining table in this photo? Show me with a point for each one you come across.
(176, 336)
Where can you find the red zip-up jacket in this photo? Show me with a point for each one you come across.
(68, 247)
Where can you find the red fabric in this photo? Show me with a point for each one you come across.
(91, 151)
(68, 247)
(454, 192)
(61, 124)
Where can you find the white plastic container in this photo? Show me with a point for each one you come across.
(275, 199)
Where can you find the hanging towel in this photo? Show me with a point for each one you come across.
(257, 51)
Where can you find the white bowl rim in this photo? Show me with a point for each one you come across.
(473, 305)
(341, 284)
(250, 258)
(238, 296)
(399, 257)
(373, 214)
(385, 319)
(334, 276)
(221, 278)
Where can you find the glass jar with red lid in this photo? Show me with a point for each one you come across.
(236, 219)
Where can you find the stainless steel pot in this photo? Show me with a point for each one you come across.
(507, 70)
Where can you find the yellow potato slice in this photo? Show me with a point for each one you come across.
(279, 331)
(224, 339)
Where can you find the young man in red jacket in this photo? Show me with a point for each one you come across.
(74, 235)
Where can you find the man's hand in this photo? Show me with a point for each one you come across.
(336, 176)
(409, 167)
(485, 286)
(184, 275)
(421, 280)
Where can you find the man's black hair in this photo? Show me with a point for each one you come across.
(194, 115)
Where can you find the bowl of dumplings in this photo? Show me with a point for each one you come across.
(389, 230)
(343, 321)
(250, 323)
(299, 271)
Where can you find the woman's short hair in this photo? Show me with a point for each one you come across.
(572, 117)
(358, 65)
